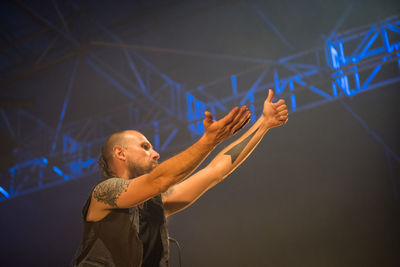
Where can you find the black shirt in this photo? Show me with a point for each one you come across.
(151, 219)
(112, 241)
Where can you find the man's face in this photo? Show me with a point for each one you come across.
(141, 157)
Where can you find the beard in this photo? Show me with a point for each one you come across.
(136, 171)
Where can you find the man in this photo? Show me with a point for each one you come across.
(124, 218)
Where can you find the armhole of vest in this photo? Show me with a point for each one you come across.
(86, 209)
(87, 204)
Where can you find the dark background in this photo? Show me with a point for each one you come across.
(316, 192)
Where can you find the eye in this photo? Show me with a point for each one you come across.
(146, 146)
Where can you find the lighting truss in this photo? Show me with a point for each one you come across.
(346, 64)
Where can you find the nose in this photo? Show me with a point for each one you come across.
(155, 155)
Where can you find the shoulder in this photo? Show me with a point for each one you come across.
(108, 191)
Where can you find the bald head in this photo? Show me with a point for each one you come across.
(116, 139)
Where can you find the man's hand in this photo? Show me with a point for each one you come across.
(218, 131)
(275, 114)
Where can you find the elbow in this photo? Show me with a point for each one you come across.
(162, 185)
(158, 181)
(162, 189)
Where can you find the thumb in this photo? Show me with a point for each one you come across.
(270, 95)
(208, 117)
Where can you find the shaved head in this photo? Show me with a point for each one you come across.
(129, 140)
(117, 139)
(106, 156)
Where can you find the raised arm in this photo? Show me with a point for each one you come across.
(184, 194)
(123, 193)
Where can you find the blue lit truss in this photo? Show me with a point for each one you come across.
(346, 64)
(349, 63)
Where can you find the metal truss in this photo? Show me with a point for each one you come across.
(349, 63)
(31, 45)
(346, 64)
(48, 156)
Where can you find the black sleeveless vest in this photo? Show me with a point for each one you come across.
(114, 241)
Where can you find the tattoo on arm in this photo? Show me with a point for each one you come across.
(109, 190)
(235, 151)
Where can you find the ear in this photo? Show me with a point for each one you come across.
(119, 152)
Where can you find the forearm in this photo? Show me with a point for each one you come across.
(234, 154)
(184, 194)
(180, 166)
